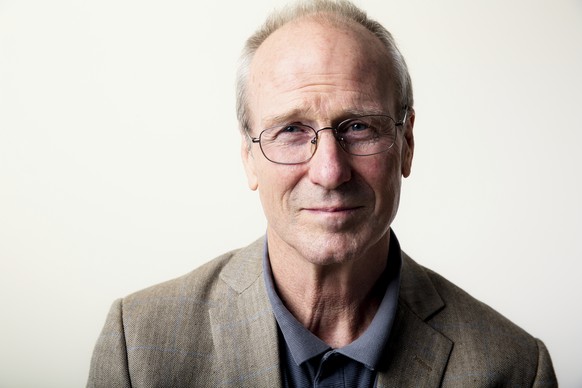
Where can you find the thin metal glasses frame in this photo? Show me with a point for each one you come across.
(338, 137)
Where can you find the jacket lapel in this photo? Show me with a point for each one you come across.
(244, 330)
(417, 354)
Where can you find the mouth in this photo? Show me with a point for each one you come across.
(332, 209)
(334, 218)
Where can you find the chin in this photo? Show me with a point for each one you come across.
(330, 250)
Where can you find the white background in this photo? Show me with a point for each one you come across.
(119, 161)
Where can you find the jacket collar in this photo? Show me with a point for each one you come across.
(417, 353)
(244, 330)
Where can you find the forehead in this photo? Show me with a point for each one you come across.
(320, 68)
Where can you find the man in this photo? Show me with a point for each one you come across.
(327, 298)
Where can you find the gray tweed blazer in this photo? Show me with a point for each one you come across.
(214, 327)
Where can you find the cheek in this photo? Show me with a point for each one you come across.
(384, 167)
(276, 185)
(384, 177)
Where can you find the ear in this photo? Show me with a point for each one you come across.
(248, 160)
(408, 144)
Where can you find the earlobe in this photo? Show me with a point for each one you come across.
(248, 163)
(408, 144)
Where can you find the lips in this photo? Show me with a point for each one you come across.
(331, 209)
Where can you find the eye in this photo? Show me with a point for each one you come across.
(288, 133)
(293, 128)
(357, 126)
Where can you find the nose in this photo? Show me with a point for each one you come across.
(330, 165)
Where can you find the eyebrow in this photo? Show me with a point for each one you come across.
(288, 117)
(298, 115)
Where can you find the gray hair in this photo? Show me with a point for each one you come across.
(336, 11)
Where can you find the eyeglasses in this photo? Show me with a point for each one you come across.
(361, 136)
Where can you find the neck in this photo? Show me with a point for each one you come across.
(336, 302)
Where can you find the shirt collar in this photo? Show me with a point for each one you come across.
(367, 348)
(302, 343)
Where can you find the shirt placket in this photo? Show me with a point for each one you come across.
(327, 375)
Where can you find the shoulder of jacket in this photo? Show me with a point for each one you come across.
(200, 280)
(461, 310)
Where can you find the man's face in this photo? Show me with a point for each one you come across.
(335, 207)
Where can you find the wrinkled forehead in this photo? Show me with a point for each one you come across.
(313, 51)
